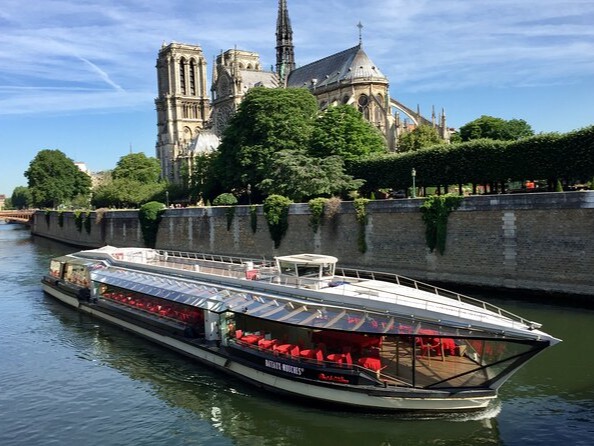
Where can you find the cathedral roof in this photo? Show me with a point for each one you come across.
(346, 66)
(206, 142)
(251, 79)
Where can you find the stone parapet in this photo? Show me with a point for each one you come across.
(538, 242)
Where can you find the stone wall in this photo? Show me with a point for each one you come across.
(540, 242)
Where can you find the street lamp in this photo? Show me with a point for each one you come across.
(414, 187)
(167, 198)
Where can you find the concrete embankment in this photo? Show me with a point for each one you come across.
(532, 242)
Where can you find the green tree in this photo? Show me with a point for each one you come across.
(495, 128)
(54, 179)
(134, 181)
(421, 137)
(139, 167)
(267, 121)
(298, 176)
(126, 193)
(343, 131)
(21, 198)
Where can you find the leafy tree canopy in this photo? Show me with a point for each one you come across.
(126, 193)
(343, 131)
(496, 128)
(54, 179)
(21, 198)
(298, 176)
(421, 137)
(139, 167)
(267, 121)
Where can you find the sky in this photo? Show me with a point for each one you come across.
(79, 75)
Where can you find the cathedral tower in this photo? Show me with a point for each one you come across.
(285, 51)
(182, 105)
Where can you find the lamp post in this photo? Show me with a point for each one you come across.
(414, 186)
(249, 194)
(167, 198)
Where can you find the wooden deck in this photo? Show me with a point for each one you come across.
(397, 360)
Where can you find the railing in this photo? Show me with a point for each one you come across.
(23, 216)
(411, 283)
(351, 273)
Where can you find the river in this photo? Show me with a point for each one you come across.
(69, 379)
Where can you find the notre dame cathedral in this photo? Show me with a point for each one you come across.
(190, 122)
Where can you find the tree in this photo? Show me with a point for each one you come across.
(267, 121)
(21, 198)
(54, 179)
(134, 181)
(297, 176)
(139, 167)
(421, 137)
(496, 128)
(343, 131)
(126, 193)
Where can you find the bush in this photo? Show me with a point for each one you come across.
(316, 206)
(149, 216)
(227, 199)
(436, 210)
(276, 211)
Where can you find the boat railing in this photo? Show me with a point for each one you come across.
(411, 283)
(198, 257)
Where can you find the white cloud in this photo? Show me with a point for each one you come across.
(111, 46)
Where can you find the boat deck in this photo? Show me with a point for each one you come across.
(449, 370)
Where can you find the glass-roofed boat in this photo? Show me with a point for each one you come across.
(300, 326)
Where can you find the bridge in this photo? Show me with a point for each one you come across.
(22, 217)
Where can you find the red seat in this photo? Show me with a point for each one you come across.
(335, 357)
(308, 353)
(294, 351)
(320, 355)
(370, 363)
(283, 349)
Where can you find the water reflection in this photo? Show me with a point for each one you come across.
(66, 378)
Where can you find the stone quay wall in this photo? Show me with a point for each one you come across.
(535, 242)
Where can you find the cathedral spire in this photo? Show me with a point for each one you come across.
(285, 56)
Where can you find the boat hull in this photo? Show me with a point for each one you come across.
(282, 379)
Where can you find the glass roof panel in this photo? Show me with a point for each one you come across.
(279, 308)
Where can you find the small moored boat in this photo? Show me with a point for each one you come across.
(303, 327)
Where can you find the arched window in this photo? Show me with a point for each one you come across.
(192, 77)
(182, 75)
(363, 103)
(345, 99)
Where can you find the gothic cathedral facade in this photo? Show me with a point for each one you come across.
(190, 124)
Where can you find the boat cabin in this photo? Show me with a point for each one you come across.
(306, 270)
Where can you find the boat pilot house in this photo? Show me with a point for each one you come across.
(298, 326)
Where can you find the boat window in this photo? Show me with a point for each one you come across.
(287, 268)
(308, 270)
(55, 269)
(76, 274)
(156, 306)
(449, 362)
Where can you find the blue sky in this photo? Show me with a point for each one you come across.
(79, 75)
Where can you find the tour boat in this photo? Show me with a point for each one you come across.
(301, 327)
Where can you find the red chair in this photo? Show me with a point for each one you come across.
(320, 355)
(335, 357)
(294, 351)
(283, 349)
(308, 354)
(238, 334)
(348, 359)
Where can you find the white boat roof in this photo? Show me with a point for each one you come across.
(316, 259)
